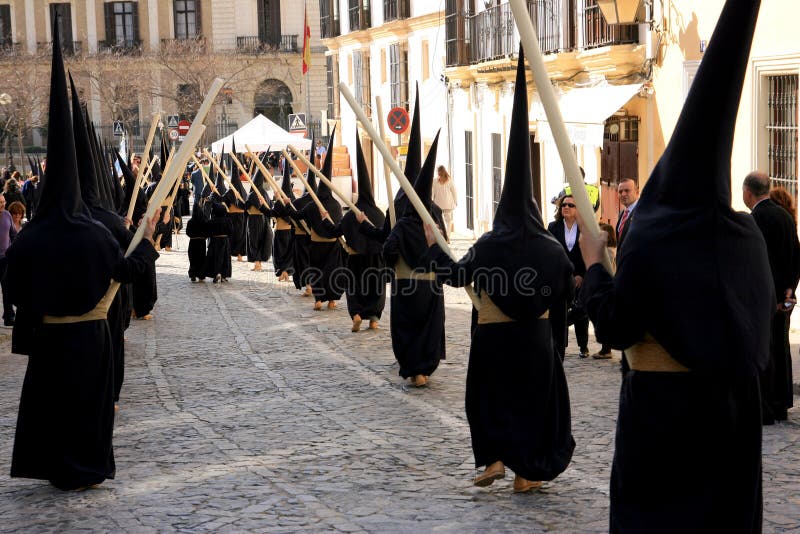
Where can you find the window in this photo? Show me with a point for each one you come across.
(187, 19)
(269, 22)
(5, 25)
(329, 18)
(782, 131)
(456, 30)
(361, 80)
(395, 9)
(359, 14)
(469, 176)
(122, 24)
(331, 72)
(64, 13)
(497, 171)
(398, 76)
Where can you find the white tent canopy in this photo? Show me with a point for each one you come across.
(260, 134)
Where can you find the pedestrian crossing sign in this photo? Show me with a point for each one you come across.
(118, 130)
(297, 121)
(172, 121)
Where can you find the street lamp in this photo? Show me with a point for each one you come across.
(620, 11)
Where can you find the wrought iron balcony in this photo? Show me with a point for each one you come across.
(253, 44)
(127, 47)
(396, 9)
(189, 45)
(69, 48)
(492, 34)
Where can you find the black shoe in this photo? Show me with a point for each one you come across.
(193, 279)
(584, 353)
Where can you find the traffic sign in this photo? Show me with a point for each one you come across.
(297, 122)
(172, 121)
(173, 134)
(118, 130)
(398, 120)
(183, 127)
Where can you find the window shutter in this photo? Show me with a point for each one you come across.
(198, 19)
(135, 35)
(629, 161)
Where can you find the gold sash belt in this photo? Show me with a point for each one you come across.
(220, 235)
(282, 224)
(299, 231)
(99, 312)
(234, 209)
(316, 238)
(253, 211)
(403, 272)
(649, 355)
(489, 313)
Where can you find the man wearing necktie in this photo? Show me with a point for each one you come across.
(628, 192)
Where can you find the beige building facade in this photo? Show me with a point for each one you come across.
(131, 59)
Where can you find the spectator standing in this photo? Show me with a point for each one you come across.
(7, 234)
(444, 195)
(628, 192)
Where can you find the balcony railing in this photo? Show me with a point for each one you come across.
(253, 44)
(192, 45)
(359, 17)
(69, 48)
(492, 34)
(597, 33)
(127, 47)
(395, 9)
(8, 48)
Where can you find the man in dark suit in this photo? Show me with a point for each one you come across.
(628, 192)
(565, 230)
(783, 250)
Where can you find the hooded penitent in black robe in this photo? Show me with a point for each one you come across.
(417, 300)
(324, 251)
(88, 162)
(66, 414)
(517, 398)
(366, 270)
(237, 215)
(302, 241)
(259, 223)
(283, 245)
(218, 256)
(197, 230)
(688, 445)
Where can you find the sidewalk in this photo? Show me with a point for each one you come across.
(794, 340)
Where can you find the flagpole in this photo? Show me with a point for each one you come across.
(307, 65)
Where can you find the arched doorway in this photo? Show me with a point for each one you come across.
(273, 99)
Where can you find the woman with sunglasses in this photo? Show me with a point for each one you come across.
(565, 230)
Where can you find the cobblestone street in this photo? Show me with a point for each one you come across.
(244, 410)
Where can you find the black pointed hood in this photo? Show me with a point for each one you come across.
(103, 185)
(423, 185)
(323, 191)
(366, 203)
(517, 211)
(286, 183)
(32, 164)
(366, 200)
(164, 157)
(698, 252)
(258, 177)
(87, 174)
(60, 193)
(62, 261)
(235, 180)
(518, 244)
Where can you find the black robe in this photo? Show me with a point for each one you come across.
(259, 230)
(301, 255)
(682, 461)
(197, 229)
(326, 276)
(283, 243)
(366, 271)
(238, 235)
(66, 413)
(517, 400)
(417, 318)
(218, 256)
(144, 290)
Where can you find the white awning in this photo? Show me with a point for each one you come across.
(261, 134)
(585, 111)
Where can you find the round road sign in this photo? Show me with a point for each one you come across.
(183, 127)
(398, 120)
(173, 134)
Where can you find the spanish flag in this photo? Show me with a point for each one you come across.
(306, 42)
